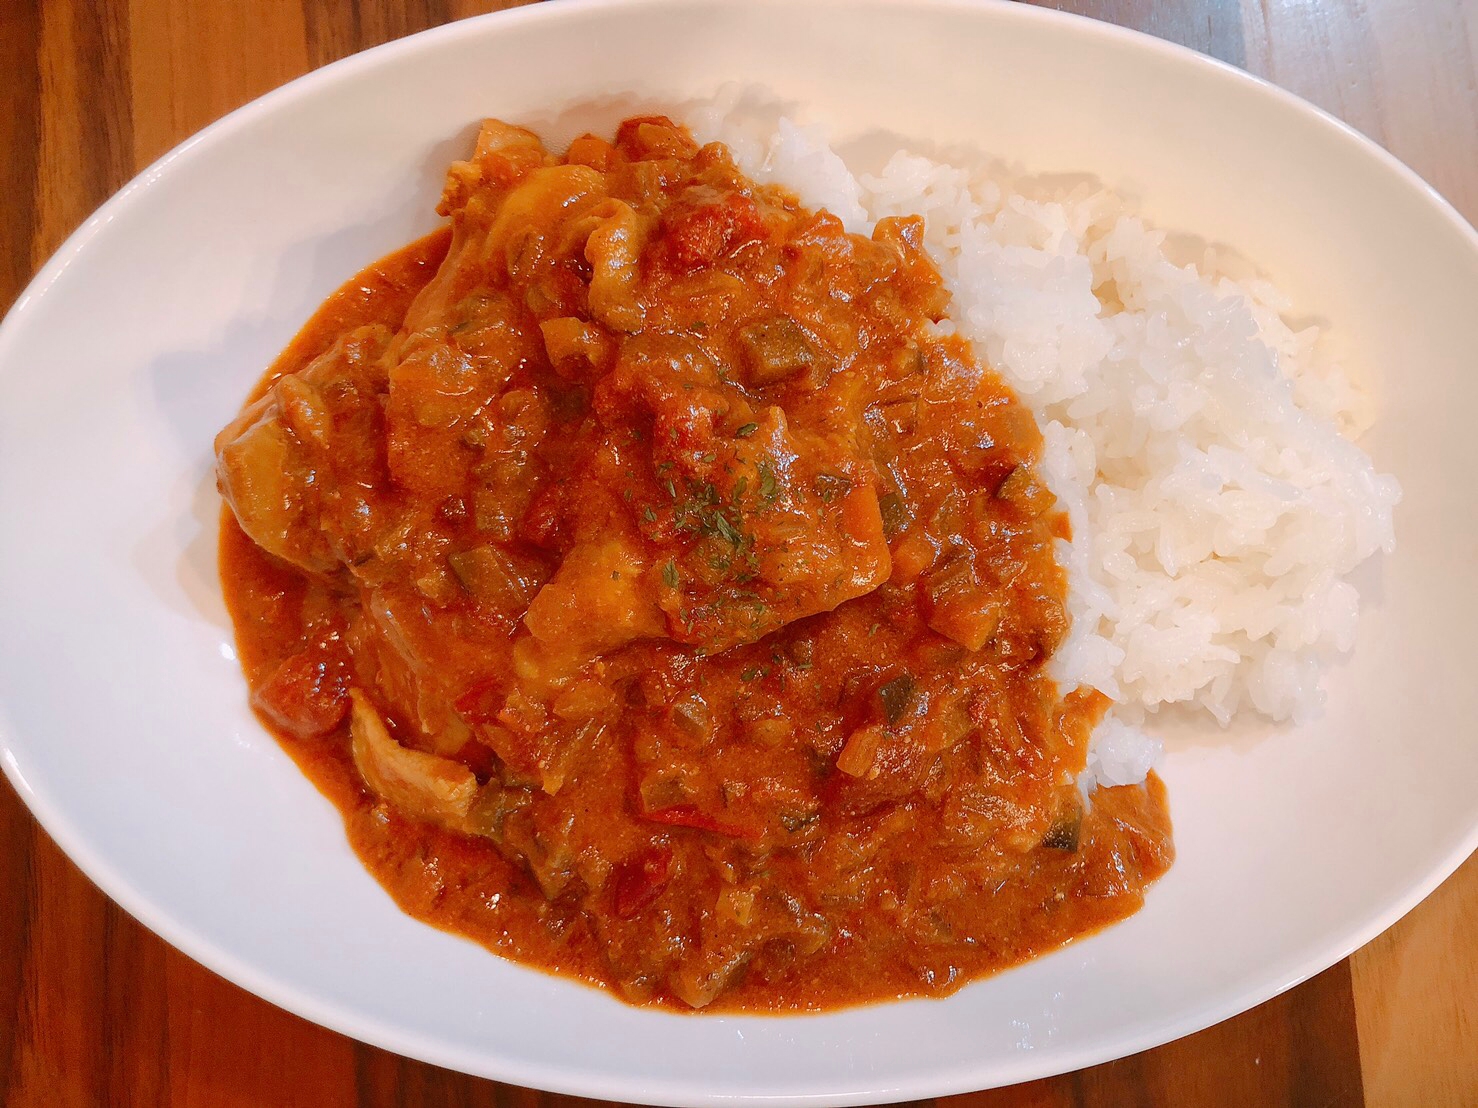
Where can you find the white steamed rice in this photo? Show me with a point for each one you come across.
(1201, 445)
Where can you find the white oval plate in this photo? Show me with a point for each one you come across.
(123, 711)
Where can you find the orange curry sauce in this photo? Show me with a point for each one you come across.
(665, 603)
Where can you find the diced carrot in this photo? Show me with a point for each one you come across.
(590, 150)
(969, 618)
(862, 520)
(911, 557)
(860, 752)
(861, 516)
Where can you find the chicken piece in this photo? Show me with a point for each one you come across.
(518, 220)
(437, 790)
(278, 464)
(268, 483)
(613, 248)
(776, 527)
(598, 599)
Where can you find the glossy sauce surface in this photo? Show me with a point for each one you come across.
(663, 600)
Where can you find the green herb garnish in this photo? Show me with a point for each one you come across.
(769, 487)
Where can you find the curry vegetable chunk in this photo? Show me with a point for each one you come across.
(664, 598)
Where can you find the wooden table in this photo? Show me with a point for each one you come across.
(95, 1010)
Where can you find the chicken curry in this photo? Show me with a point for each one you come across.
(664, 598)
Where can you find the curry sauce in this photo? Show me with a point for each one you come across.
(664, 597)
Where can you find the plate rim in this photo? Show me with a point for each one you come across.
(965, 1075)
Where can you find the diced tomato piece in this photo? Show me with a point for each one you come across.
(654, 136)
(690, 815)
(306, 695)
(638, 881)
(543, 521)
(698, 234)
(481, 702)
(683, 433)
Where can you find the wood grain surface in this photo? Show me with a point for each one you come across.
(94, 1010)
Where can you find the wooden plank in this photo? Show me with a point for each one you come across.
(194, 62)
(1417, 1001)
(1297, 1049)
(85, 144)
(20, 138)
(1399, 71)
